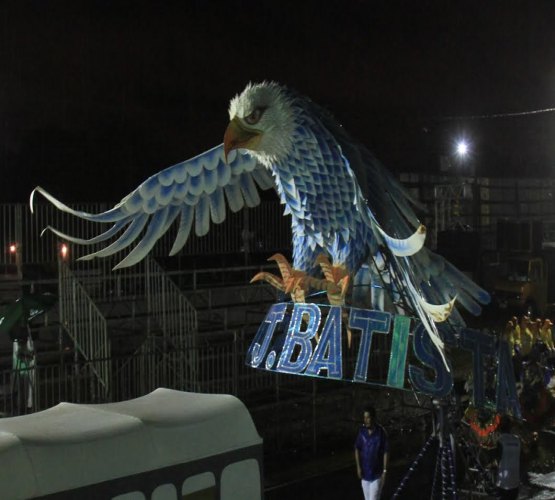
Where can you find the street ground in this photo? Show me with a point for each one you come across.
(333, 477)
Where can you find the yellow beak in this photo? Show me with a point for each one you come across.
(237, 136)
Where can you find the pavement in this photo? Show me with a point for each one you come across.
(331, 475)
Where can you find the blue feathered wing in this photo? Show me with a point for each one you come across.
(197, 191)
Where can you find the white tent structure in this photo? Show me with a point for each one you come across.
(165, 445)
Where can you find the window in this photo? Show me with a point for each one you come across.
(241, 480)
(133, 495)
(164, 492)
(199, 487)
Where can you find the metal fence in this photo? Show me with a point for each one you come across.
(480, 202)
(245, 231)
(176, 360)
(221, 368)
(88, 293)
(85, 324)
(169, 307)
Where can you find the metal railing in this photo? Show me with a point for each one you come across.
(242, 232)
(169, 307)
(288, 410)
(171, 329)
(221, 369)
(174, 315)
(103, 284)
(19, 226)
(85, 324)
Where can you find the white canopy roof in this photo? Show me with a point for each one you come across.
(72, 445)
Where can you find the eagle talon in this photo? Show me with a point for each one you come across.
(339, 279)
(298, 283)
(292, 281)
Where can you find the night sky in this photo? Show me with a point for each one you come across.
(95, 96)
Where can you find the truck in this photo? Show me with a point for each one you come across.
(520, 274)
(521, 284)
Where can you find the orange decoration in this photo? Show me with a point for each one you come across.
(483, 431)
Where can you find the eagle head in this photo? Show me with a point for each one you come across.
(262, 122)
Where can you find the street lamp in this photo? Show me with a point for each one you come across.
(464, 156)
(64, 251)
(462, 148)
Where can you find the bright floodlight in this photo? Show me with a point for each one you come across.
(462, 148)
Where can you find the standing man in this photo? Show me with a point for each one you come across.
(371, 455)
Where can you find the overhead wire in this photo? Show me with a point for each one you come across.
(496, 115)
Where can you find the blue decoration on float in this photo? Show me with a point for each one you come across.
(329, 341)
(368, 321)
(307, 339)
(299, 338)
(398, 355)
(261, 341)
(480, 344)
(270, 360)
(428, 355)
(506, 397)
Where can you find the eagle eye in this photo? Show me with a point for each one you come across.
(255, 116)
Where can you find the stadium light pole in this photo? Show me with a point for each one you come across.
(464, 153)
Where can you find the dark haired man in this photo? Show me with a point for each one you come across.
(371, 455)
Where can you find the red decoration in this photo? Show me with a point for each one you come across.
(482, 430)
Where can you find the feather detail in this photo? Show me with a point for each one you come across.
(118, 226)
(426, 319)
(234, 197)
(113, 215)
(202, 217)
(250, 194)
(439, 312)
(217, 206)
(408, 246)
(184, 229)
(155, 229)
(127, 238)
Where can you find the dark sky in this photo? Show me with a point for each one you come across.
(95, 96)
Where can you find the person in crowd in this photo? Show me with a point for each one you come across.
(515, 335)
(508, 336)
(546, 335)
(526, 336)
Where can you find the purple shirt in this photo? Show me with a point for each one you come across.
(371, 449)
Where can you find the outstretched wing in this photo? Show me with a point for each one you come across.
(196, 190)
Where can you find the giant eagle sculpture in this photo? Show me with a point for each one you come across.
(349, 215)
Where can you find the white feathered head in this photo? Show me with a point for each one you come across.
(262, 122)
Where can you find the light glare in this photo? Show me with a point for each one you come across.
(462, 148)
